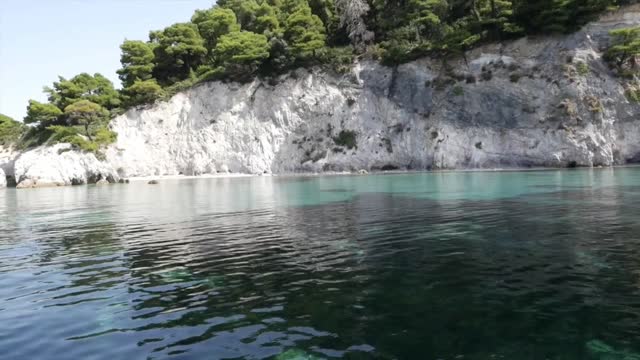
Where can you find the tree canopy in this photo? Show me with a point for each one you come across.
(42, 114)
(96, 88)
(137, 61)
(624, 52)
(85, 113)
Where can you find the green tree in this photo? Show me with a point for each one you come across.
(179, 50)
(624, 52)
(137, 62)
(242, 51)
(245, 11)
(42, 114)
(10, 130)
(427, 17)
(304, 32)
(213, 23)
(327, 11)
(496, 16)
(288, 7)
(143, 92)
(96, 88)
(86, 113)
(266, 22)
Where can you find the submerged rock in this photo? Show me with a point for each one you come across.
(600, 350)
(297, 354)
(153, 182)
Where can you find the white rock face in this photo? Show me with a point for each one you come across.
(520, 104)
(527, 107)
(58, 166)
(3, 179)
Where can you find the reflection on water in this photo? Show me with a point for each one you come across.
(514, 265)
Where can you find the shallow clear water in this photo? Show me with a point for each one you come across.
(472, 265)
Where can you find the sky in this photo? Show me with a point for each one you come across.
(41, 39)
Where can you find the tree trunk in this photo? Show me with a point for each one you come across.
(86, 130)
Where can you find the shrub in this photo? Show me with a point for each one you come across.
(582, 68)
(338, 59)
(67, 134)
(458, 90)
(633, 92)
(624, 50)
(347, 138)
(10, 130)
(143, 92)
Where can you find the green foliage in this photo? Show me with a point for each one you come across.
(624, 52)
(178, 50)
(347, 138)
(101, 136)
(96, 88)
(85, 113)
(305, 32)
(137, 62)
(339, 59)
(214, 23)
(65, 134)
(42, 114)
(242, 51)
(632, 91)
(582, 68)
(142, 92)
(10, 130)
(266, 21)
(245, 11)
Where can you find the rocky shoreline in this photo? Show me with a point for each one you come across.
(545, 102)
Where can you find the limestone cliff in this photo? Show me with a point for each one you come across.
(533, 102)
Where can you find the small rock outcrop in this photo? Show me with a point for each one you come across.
(59, 165)
(102, 182)
(153, 182)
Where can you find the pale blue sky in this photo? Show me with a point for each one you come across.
(41, 39)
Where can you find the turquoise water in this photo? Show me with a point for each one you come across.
(452, 265)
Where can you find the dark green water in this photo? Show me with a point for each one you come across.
(483, 265)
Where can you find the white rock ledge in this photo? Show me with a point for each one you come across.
(58, 165)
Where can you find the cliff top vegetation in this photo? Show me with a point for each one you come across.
(240, 39)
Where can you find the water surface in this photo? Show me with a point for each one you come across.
(461, 265)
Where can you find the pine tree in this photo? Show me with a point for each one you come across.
(137, 62)
(214, 23)
(624, 52)
(179, 49)
(242, 52)
(304, 32)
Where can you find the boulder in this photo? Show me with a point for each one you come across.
(102, 182)
(60, 165)
(153, 182)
